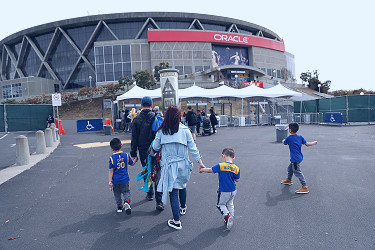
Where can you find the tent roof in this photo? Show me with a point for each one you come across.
(223, 91)
(138, 93)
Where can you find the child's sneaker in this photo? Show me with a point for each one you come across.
(127, 207)
(174, 225)
(287, 182)
(183, 210)
(303, 190)
(119, 208)
(229, 221)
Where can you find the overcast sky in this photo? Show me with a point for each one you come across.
(332, 36)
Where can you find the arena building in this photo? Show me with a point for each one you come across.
(97, 50)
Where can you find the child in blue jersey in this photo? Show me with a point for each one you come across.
(295, 143)
(118, 175)
(228, 174)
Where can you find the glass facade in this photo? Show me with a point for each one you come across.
(71, 57)
(112, 62)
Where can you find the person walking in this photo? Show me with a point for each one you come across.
(295, 143)
(228, 174)
(191, 119)
(118, 176)
(175, 141)
(142, 136)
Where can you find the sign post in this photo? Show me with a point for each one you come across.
(56, 102)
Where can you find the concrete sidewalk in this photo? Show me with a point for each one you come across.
(64, 202)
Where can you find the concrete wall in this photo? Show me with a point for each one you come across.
(31, 86)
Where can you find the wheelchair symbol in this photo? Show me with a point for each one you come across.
(332, 119)
(89, 126)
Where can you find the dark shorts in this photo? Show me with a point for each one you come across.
(193, 128)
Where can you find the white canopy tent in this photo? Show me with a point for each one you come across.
(137, 92)
(223, 91)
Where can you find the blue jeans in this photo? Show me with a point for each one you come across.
(177, 198)
(294, 168)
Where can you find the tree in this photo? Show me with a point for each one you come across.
(125, 81)
(162, 65)
(312, 78)
(144, 79)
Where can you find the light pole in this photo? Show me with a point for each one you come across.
(90, 78)
(319, 85)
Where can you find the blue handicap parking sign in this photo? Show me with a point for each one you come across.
(89, 125)
(333, 118)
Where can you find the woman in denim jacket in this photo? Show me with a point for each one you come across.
(175, 139)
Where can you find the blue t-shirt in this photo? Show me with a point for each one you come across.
(228, 172)
(119, 162)
(295, 143)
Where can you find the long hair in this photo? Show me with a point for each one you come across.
(171, 121)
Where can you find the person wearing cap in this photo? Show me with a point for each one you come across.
(142, 137)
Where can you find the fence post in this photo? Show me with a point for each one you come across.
(22, 150)
(347, 109)
(5, 119)
(49, 140)
(40, 142)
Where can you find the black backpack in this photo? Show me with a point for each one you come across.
(193, 119)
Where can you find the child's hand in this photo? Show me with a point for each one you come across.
(110, 185)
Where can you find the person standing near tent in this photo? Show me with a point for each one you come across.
(213, 120)
(142, 137)
(199, 121)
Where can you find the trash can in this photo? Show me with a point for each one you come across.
(107, 129)
(281, 132)
(118, 124)
(277, 119)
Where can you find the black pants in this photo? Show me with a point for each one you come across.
(198, 127)
(213, 128)
(143, 158)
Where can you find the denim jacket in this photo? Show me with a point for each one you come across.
(175, 163)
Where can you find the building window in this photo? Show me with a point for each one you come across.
(112, 62)
(12, 90)
(56, 87)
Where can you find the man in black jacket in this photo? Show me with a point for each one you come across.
(142, 136)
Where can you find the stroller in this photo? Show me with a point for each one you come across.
(206, 127)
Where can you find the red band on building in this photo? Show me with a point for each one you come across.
(213, 37)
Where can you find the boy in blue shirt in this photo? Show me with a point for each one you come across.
(295, 143)
(228, 174)
(118, 175)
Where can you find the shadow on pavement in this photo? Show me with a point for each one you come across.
(286, 194)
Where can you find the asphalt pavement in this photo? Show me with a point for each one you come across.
(8, 147)
(64, 201)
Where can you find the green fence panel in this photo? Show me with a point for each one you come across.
(2, 125)
(358, 101)
(372, 101)
(27, 117)
(307, 107)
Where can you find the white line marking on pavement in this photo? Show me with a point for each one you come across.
(12, 145)
(3, 136)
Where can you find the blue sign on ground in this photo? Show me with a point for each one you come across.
(333, 118)
(89, 125)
